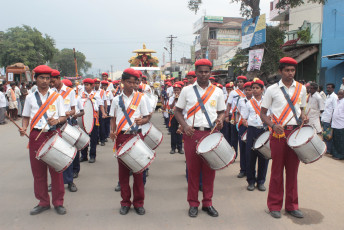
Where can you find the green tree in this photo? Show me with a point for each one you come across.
(64, 62)
(27, 45)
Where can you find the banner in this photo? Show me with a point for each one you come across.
(255, 59)
(253, 31)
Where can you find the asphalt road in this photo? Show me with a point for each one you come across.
(96, 206)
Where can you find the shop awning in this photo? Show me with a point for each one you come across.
(301, 53)
(339, 56)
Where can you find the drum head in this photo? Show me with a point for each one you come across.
(145, 128)
(305, 134)
(209, 142)
(45, 147)
(127, 145)
(261, 140)
(87, 119)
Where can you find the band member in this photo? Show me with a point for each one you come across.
(105, 77)
(197, 125)
(176, 138)
(109, 98)
(226, 125)
(251, 114)
(212, 80)
(69, 101)
(285, 99)
(126, 109)
(102, 103)
(242, 128)
(44, 109)
(90, 93)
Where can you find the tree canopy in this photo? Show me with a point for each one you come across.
(27, 45)
(64, 62)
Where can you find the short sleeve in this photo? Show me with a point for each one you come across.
(60, 105)
(27, 107)
(267, 100)
(303, 97)
(73, 101)
(245, 110)
(113, 106)
(143, 107)
(221, 106)
(181, 103)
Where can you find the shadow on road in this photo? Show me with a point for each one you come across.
(310, 217)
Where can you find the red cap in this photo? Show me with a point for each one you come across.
(42, 69)
(247, 84)
(288, 60)
(191, 73)
(177, 86)
(106, 74)
(140, 87)
(172, 78)
(203, 62)
(144, 77)
(109, 80)
(67, 82)
(219, 85)
(96, 80)
(132, 72)
(212, 78)
(180, 83)
(242, 78)
(55, 73)
(139, 72)
(88, 80)
(230, 85)
(168, 84)
(104, 82)
(185, 80)
(258, 81)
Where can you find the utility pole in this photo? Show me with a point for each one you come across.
(171, 52)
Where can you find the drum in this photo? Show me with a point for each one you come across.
(216, 151)
(262, 144)
(244, 136)
(135, 154)
(83, 141)
(308, 146)
(152, 136)
(86, 121)
(57, 153)
(70, 134)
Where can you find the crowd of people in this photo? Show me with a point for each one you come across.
(192, 109)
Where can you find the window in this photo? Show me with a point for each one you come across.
(212, 34)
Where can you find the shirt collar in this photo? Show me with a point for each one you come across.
(131, 95)
(196, 83)
(280, 83)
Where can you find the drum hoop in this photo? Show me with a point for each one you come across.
(82, 118)
(150, 162)
(79, 140)
(120, 148)
(70, 162)
(200, 141)
(309, 139)
(263, 143)
(223, 166)
(150, 127)
(49, 148)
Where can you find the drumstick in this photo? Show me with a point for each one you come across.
(44, 127)
(129, 128)
(193, 121)
(213, 129)
(303, 122)
(288, 121)
(16, 124)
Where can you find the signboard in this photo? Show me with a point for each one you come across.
(228, 37)
(253, 31)
(10, 77)
(255, 59)
(215, 19)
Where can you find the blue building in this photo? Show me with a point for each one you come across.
(332, 61)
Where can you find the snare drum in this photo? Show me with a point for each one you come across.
(308, 146)
(244, 136)
(216, 151)
(262, 144)
(70, 134)
(57, 153)
(83, 141)
(151, 135)
(86, 121)
(135, 154)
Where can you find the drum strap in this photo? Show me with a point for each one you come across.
(295, 99)
(64, 94)
(200, 102)
(236, 107)
(204, 99)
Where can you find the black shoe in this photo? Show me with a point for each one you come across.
(124, 210)
(193, 211)
(200, 188)
(140, 210)
(92, 160)
(172, 151)
(241, 175)
(250, 187)
(211, 211)
(38, 209)
(275, 214)
(106, 140)
(296, 213)
(72, 187)
(49, 188)
(102, 144)
(75, 175)
(60, 210)
(261, 187)
(118, 188)
(83, 159)
(180, 151)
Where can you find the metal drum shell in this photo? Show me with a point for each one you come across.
(57, 153)
(264, 146)
(218, 156)
(135, 154)
(70, 134)
(83, 141)
(89, 110)
(152, 136)
(311, 150)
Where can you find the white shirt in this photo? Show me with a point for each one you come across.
(330, 104)
(100, 98)
(79, 105)
(145, 88)
(81, 89)
(338, 115)
(85, 95)
(17, 92)
(248, 113)
(314, 106)
(233, 99)
(109, 96)
(169, 91)
(275, 100)
(341, 86)
(116, 111)
(31, 108)
(148, 103)
(33, 88)
(70, 100)
(187, 99)
(2, 100)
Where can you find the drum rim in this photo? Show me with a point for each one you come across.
(49, 148)
(82, 118)
(208, 134)
(70, 162)
(150, 127)
(120, 148)
(64, 127)
(88, 142)
(253, 146)
(309, 139)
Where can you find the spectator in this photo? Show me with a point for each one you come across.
(34, 87)
(342, 85)
(321, 92)
(24, 93)
(326, 116)
(315, 106)
(2, 106)
(18, 94)
(338, 128)
(12, 101)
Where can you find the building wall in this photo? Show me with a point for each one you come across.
(332, 71)
(311, 12)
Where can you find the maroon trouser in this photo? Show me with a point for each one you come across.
(283, 157)
(123, 173)
(40, 173)
(195, 165)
